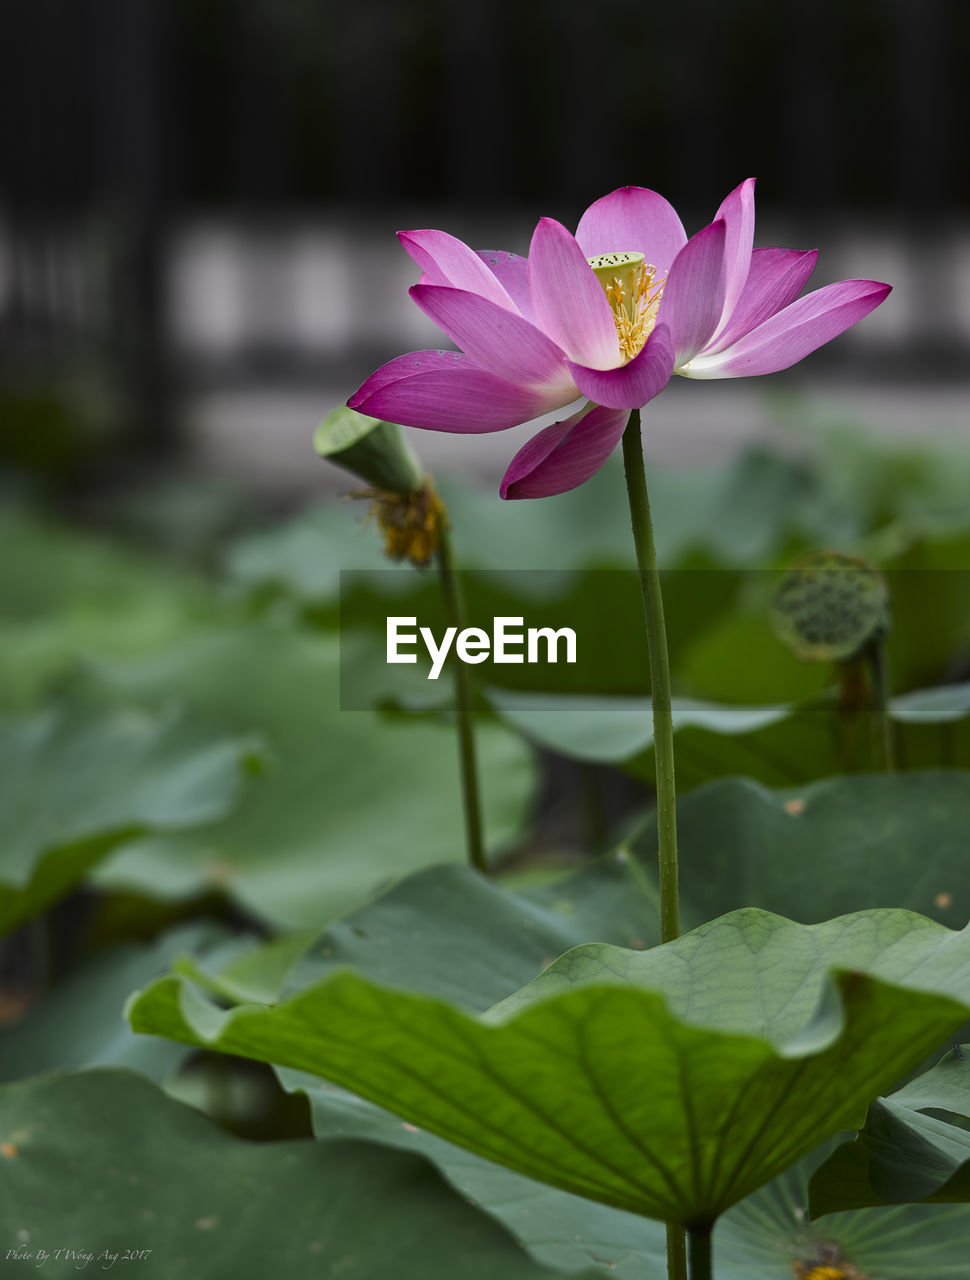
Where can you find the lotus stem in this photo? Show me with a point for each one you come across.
(700, 1251)
(467, 757)
(882, 732)
(663, 727)
(663, 731)
(676, 1252)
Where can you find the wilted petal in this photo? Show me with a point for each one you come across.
(568, 301)
(737, 210)
(775, 278)
(631, 385)
(791, 334)
(512, 272)
(693, 296)
(448, 261)
(563, 456)
(635, 220)
(447, 391)
(498, 340)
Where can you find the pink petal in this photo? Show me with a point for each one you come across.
(567, 299)
(693, 297)
(633, 384)
(445, 260)
(446, 391)
(563, 456)
(498, 340)
(791, 334)
(737, 210)
(512, 272)
(636, 220)
(776, 278)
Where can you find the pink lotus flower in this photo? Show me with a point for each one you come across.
(609, 314)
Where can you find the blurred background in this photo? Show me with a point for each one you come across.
(198, 201)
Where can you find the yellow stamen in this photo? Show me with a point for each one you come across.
(411, 523)
(633, 292)
(826, 1272)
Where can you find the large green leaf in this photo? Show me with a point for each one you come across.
(846, 844)
(351, 801)
(843, 839)
(779, 744)
(101, 1161)
(65, 593)
(759, 1239)
(557, 1228)
(766, 1235)
(903, 1155)
(835, 846)
(75, 784)
(80, 1022)
(662, 1082)
(486, 942)
(617, 730)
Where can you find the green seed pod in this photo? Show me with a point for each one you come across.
(830, 606)
(375, 451)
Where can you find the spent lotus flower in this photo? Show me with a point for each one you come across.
(609, 314)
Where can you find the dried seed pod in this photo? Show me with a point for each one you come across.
(830, 606)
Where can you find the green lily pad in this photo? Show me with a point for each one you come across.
(942, 705)
(617, 730)
(759, 1239)
(80, 1022)
(903, 1155)
(780, 744)
(351, 801)
(660, 1082)
(846, 841)
(486, 942)
(75, 784)
(203, 1203)
(253, 973)
(832, 847)
(65, 593)
(765, 1236)
(558, 1229)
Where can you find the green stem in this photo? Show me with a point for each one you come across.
(454, 602)
(676, 1252)
(875, 654)
(663, 727)
(663, 731)
(700, 1252)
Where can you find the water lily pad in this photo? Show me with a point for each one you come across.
(486, 942)
(203, 1203)
(902, 1154)
(759, 1239)
(767, 1235)
(80, 1022)
(75, 784)
(350, 801)
(847, 843)
(660, 1082)
(65, 593)
(617, 730)
(557, 1228)
(822, 850)
(780, 744)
